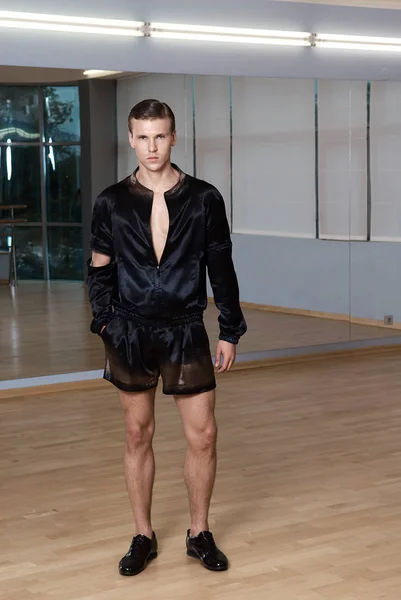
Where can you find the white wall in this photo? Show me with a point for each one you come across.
(342, 159)
(273, 177)
(273, 156)
(385, 161)
(212, 126)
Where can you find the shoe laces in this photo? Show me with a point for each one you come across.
(209, 539)
(136, 544)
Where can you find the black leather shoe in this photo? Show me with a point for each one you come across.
(203, 547)
(142, 550)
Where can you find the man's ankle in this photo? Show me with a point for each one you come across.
(147, 531)
(195, 530)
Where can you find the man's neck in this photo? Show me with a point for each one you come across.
(158, 181)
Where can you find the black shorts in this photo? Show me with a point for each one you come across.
(139, 350)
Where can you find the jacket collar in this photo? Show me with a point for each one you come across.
(171, 193)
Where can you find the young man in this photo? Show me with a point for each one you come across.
(154, 235)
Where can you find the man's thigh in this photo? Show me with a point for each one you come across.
(139, 408)
(197, 412)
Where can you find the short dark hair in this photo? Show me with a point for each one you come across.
(151, 109)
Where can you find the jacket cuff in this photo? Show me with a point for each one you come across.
(232, 339)
(92, 269)
(97, 323)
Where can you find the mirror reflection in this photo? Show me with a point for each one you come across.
(308, 170)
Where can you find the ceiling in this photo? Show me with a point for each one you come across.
(45, 75)
(59, 53)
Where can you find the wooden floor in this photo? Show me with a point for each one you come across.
(306, 505)
(45, 331)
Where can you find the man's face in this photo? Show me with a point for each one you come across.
(152, 141)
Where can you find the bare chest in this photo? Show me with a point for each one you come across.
(159, 224)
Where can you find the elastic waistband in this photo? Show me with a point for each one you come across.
(156, 320)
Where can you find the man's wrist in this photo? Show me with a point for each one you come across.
(231, 339)
(98, 324)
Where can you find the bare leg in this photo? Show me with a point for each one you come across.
(197, 413)
(139, 459)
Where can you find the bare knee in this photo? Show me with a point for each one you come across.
(138, 436)
(139, 419)
(203, 439)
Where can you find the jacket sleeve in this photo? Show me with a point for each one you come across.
(221, 270)
(101, 280)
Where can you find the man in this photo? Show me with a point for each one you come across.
(154, 234)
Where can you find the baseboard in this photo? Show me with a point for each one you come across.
(287, 358)
(317, 356)
(318, 315)
(296, 311)
(53, 388)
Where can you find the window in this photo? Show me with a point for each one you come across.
(19, 114)
(63, 194)
(40, 168)
(65, 252)
(61, 111)
(20, 178)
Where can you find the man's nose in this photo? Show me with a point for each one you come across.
(152, 145)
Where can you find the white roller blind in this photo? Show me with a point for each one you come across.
(342, 172)
(176, 90)
(212, 125)
(386, 160)
(273, 156)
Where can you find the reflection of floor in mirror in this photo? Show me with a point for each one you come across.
(306, 503)
(44, 331)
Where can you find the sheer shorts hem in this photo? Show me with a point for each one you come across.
(178, 391)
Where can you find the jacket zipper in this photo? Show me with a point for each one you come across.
(159, 287)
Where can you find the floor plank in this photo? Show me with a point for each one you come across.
(306, 502)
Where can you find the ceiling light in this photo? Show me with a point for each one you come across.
(99, 73)
(180, 31)
(45, 22)
(357, 42)
(206, 33)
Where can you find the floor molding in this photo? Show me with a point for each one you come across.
(50, 380)
(91, 380)
(320, 315)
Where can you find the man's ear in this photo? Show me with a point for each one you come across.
(131, 140)
(174, 138)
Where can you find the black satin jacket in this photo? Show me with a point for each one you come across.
(198, 240)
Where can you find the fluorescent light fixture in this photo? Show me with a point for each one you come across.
(45, 22)
(9, 161)
(207, 33)
(357, 42)
(180, 31)
(20, 132)
(7, 14)
(69, 28)
(99, 73)
(51, 155)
